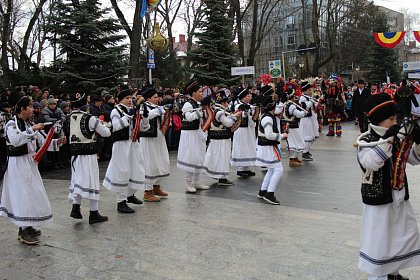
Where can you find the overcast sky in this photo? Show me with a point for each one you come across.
(412, 5)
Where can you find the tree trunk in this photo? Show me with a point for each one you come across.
(23, 56)
(4, 43)
(252, 46)
(135, 38)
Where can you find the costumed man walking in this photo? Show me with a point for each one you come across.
(154, 148)
(292, 115)
(192, 143)
(357, 105)
(390, 237)
(268, 150)
(84, 163)
(125, 173)
(216, 162)
(335, 106)
(309, 123)
(24, 201)
(244, 144)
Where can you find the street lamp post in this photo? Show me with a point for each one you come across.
(301, 65)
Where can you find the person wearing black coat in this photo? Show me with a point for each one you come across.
(359, 97)
(403, 97)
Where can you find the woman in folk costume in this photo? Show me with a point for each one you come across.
(153, 146)
(268, 150)
(292, 115)
(84, 163)
(309, 123)
(125, 173)
(216, 162)
(192, 143)
(24, 201)
(244, 144)
(390, 237)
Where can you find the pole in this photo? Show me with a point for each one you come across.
(283, 67)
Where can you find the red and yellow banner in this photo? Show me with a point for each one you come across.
(389, 39)
(417, 35)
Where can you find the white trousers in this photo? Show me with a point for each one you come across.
(123, 195)
(271, 179)
(294, 154)
(94, 204)
(307, 146)
(191, 177)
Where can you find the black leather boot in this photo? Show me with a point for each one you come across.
(95, 217)
(75, 212)
(122, 207)
(134, 200)
(33, 232)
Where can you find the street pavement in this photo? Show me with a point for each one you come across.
(222, 233)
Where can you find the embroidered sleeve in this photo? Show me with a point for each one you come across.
(227, 121)
(267, 124)
(373, 158)
(98, 127)
(190, 114)
(119, 122)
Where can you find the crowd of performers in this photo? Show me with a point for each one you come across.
(244, 127)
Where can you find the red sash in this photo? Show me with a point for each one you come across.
(166, 122)
(400, 162)
(38, 156)
(209, 113)
(238, 122)
(136, 130)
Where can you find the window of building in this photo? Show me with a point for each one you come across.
(291, 39)
(290, 22)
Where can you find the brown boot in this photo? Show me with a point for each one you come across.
(298, 160)
(294, 163)
(148, 196)
(158, 191)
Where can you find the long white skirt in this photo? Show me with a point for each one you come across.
(308, 131)
(295, 139)
(390, 237)
(267, 156)
(84, 177)
(244, 147)
(216, 163)
(126, 168)
(155, 154)
(315, 124)
(24, 201)
(192, 150)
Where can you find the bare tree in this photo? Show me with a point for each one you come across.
(238, 15)
(6, 30)
(134, 34)
(169, 11)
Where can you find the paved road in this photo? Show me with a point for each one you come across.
(223, 233)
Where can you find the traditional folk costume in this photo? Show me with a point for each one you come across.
(334, 108)
(216, 162)
(390, 238)
(5, 116)
(309, 123)
(24, 201)
(192, 143)
(125, 174)
(292, 115)
(268, 151)
(84, 163)
(154, 149)
(244, 144)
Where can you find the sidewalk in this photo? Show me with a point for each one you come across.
(203, 236)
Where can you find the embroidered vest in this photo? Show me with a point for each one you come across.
(376, 186)
(13, 151)
(218, 130)
(154, 125)
(195, 124)
(82, 139)
(291, 119)
(262, 140)
(124, 133)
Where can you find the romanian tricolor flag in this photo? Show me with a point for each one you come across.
(389, 39)
(417, 35)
